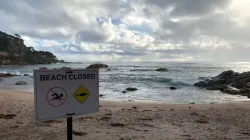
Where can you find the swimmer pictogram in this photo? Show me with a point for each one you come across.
(56, 96)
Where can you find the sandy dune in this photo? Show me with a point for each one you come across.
(128, 121)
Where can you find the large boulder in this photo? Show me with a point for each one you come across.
(203, 78)
(7, 75)
(227, 74)
(217, 87)
(231, 90)
(201, 84)
(97, 66)
(244, 90)
(162, 69)
(248, 85)
(21, 83)
(244, 75)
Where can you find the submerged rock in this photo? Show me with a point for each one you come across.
(43, 68)
(65, 68)
(1, 79)
(162, 69)
(21, 83)
(101, 95)
(124, 92)
(97, 66)
(26, 74)
(131, 89)
(172, 88)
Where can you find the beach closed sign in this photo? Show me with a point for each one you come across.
(63, 93)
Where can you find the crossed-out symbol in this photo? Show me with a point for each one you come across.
(56, 96)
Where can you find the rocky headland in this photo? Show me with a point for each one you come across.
(13, 51)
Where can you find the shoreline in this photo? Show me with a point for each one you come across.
(10, 89)
(126, 120)
(26, 95)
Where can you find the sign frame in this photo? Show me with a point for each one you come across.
(67, 71)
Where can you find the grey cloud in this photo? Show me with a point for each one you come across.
(190, 7)
(27, 16)
(91, 36)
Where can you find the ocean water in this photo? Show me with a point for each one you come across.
(152, 85)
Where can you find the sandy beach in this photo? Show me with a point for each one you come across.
(127, 120)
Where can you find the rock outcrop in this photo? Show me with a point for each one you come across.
(13, 51)
(97, 66)
(228, 82)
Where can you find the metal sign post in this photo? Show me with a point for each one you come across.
(69, 128)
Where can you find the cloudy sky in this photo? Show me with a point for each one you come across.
(132, 30)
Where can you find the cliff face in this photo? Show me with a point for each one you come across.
(14, 52)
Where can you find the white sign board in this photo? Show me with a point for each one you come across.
(62, 93)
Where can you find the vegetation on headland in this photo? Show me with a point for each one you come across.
(13, 51)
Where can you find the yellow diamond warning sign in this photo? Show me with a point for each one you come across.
(81, 94)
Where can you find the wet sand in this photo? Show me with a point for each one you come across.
(127, 120)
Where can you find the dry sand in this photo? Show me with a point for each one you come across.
(128, 121)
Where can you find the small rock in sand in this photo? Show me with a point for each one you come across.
(79, 133)
(117, 124)
(202, 120)
(15, 126)
(108, 114)
(105, 118)
(8, 116)
(125, 139)
(134, 107)
(194, 114)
